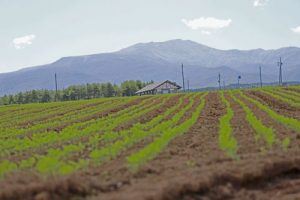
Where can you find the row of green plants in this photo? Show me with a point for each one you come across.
(65, 166)
(104, 141)
(69, 119)
(42, 112)
(59, 163)
(68, 133)
(287, 121)
(41, 128)
(54, 162)
(127, 138)
(22, 113)
(262, 131)
(135, 112)
(59, 113)
(168, 133)
(22, 129)
(282, 97)
(290, 92)
(109, 137)
(227, 141)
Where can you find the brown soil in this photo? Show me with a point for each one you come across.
(190, 111)
(46, 118)
(243, 131)
(43, 150)
(150, 115)
(186, 101)
(293, 89)
(277, 105)
(280, 130)
(19, 113)
(97, 115)
(162, 109)
(192, 167)
(291, 92)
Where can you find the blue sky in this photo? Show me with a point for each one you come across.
(34, 32)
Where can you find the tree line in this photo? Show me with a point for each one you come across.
(75, 92)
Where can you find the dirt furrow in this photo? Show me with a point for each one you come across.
(46, 118)
(242, 130)
(98, 115)
(183, 155)
(281, 131)
(192, 167)
(150, 115)
(277, 105)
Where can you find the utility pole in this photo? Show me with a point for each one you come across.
(182, 78)
(224, 85)
(219, 81)
(188, 85)
(260, 78)
(239, 77)
(55, 86)
(280, 71)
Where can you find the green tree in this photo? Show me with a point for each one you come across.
(76, 92)
(11, 99)
(129, 88)
(34, 96)
(46, 96)
(20, 98)
(110, 90)
(4, 100)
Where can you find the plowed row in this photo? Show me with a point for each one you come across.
(154, 147)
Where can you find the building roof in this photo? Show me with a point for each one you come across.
(154, 86)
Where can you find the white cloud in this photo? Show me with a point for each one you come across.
(22, 42)
(206, 32)
(207, 24)
(296, 29)
(259, 3)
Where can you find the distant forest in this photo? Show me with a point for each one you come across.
(75, 92)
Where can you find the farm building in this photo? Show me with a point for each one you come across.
(159, 88)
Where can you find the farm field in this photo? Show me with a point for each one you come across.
(232, 144)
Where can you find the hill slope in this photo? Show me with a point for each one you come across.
(157, 61)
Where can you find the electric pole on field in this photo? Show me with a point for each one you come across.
(188, 85)
(55, 86)
(224, 85)
(260, 78)
(182, 78)
(280, 71)
(239, 78)
(219, 81)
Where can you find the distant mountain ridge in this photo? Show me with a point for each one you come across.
(158, 61)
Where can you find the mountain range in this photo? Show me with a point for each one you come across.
(158, 61)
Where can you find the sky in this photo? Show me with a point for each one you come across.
(36, 32)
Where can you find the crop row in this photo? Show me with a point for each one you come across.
(168, 133)
(57, 156)
(227, 141)
(62, 138)
(70, 132)
(289, 99)
(290, 122)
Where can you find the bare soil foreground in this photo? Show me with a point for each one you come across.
(192, 166)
